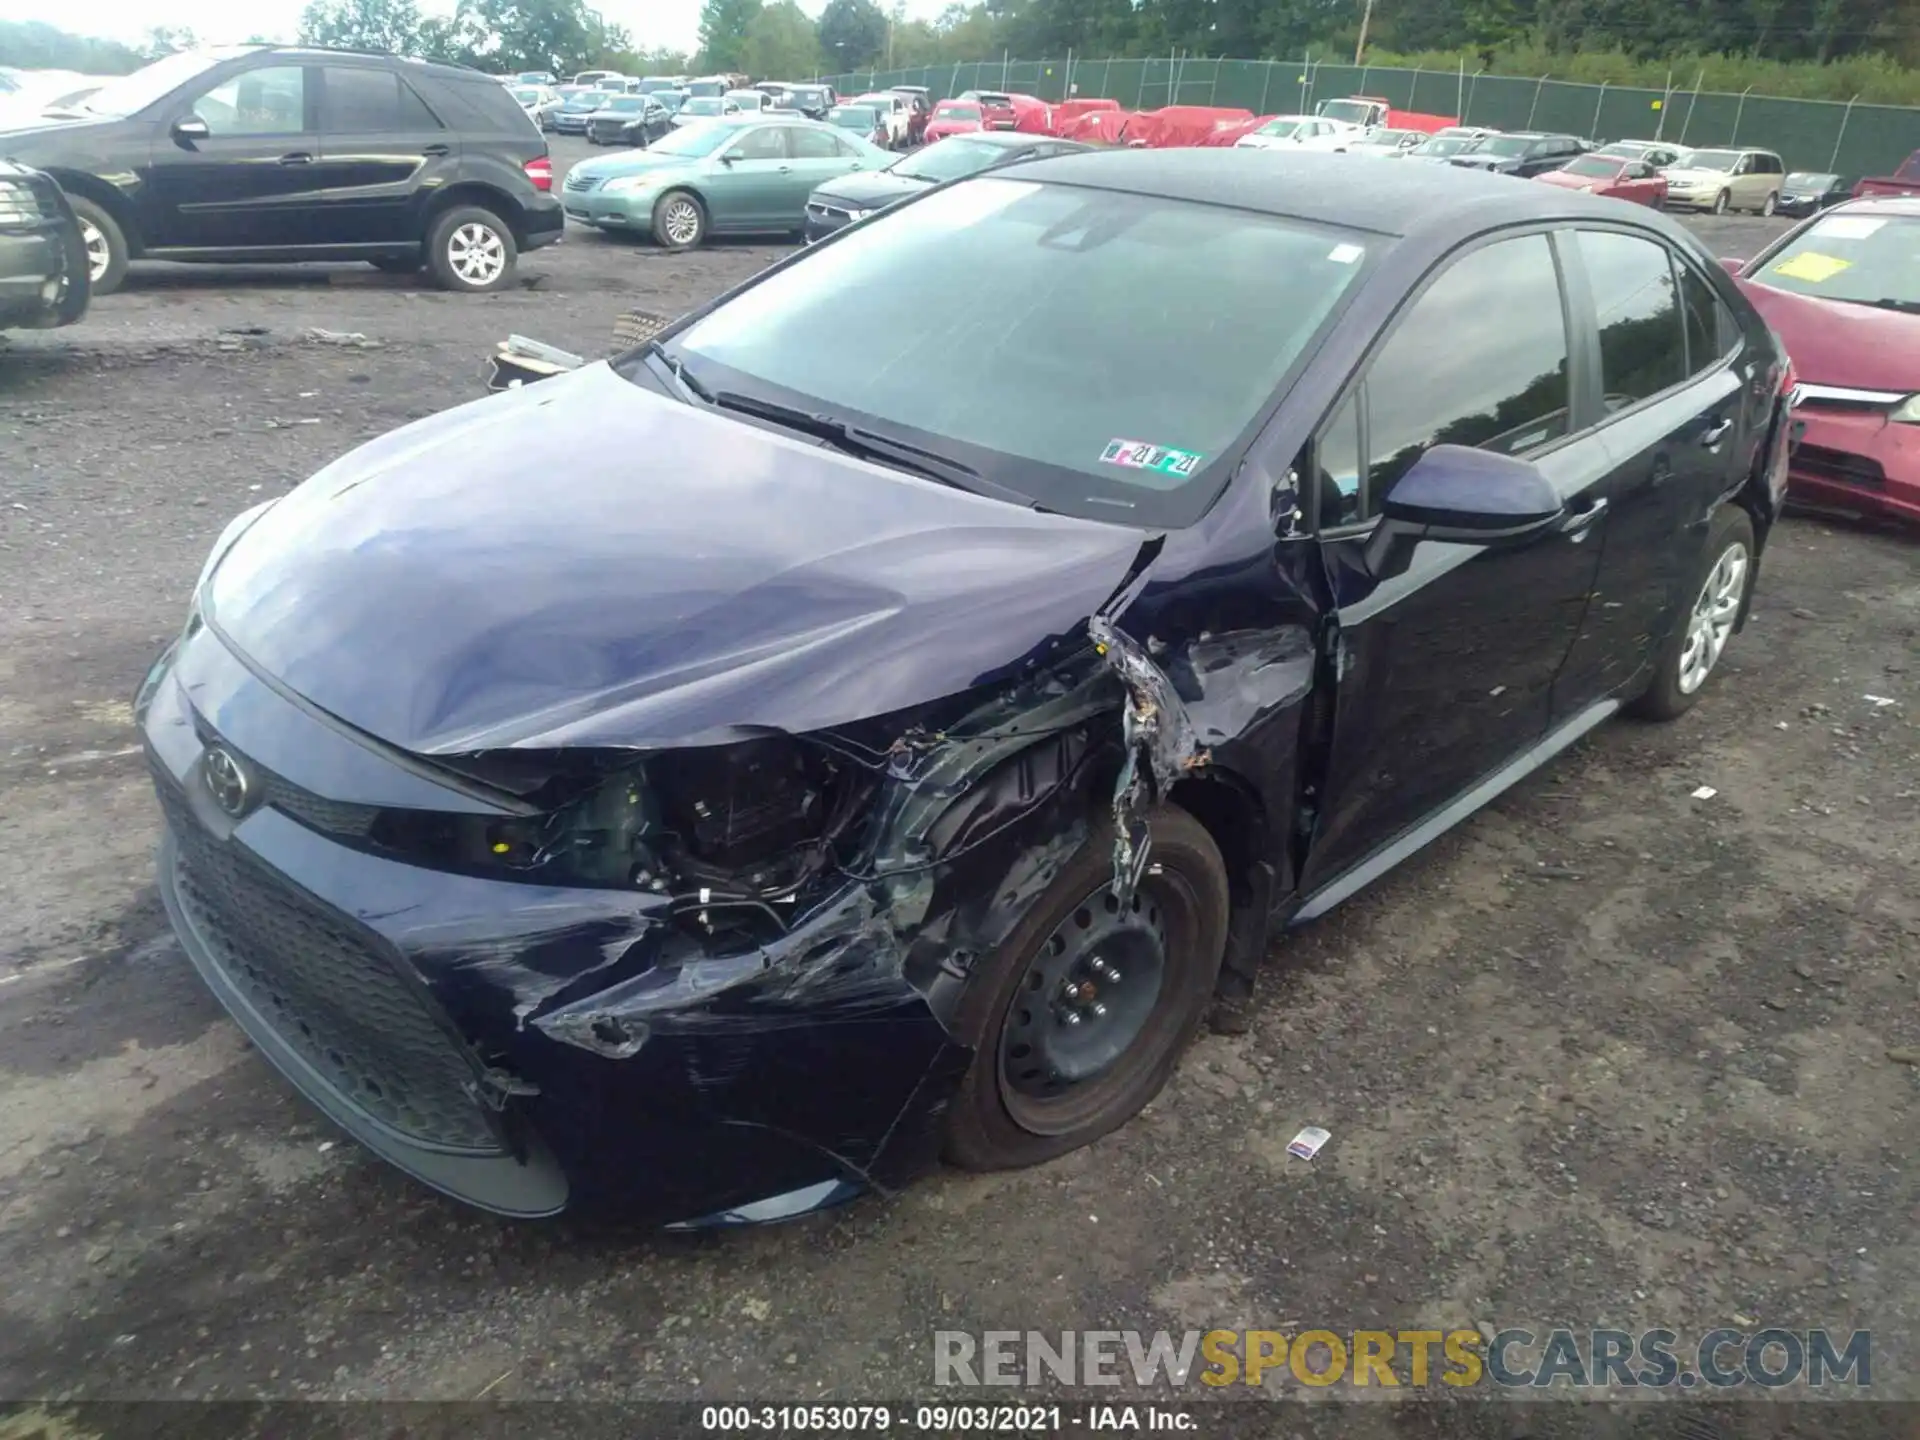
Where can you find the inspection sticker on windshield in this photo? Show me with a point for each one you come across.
(1812, 267)
(1138, 455)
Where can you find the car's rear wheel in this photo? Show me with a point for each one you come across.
(679, 220)
(1721, 202)
(1772, 204)
(1078, 1018)
(470, 248)
(106, 245)
(1701, 632)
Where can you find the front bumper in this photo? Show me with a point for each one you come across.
(43, 275)
(628, 211)
(824, 220)
(1856, 462)
(526, 1049)
(569, 125)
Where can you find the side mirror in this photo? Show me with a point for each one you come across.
(1732, 267)
(191, 127)
(1468, 497)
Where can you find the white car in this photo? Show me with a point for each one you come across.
(1393, 143)
(896, 115)
(540, 102)
(1300, 132)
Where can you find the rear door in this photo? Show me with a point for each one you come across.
(380, 149)
(1446, 669)
(1670, 405)
(252, 181)
(817, 156)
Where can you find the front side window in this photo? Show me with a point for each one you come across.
(1643, 347)
(1117, 344)
(1337, 467)
(1711, 329)
(764, 142)
(270, 101)
(1480, 359)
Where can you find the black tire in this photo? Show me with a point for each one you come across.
(1722, 202)
(668, 209)
(458, 232)
(118, 252)
(990, 1125)
(1669, 696)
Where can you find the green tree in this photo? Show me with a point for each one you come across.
(781, 44)
(35, 45)
(168, 40)
(853, 34)
(723, 32)
(391, 26)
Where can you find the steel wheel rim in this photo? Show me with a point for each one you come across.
(1109, 966)
(477, 253)
(681, 222)
(1711, 621)
(99, 253)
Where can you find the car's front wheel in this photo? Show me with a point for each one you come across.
(106, 245)
(470, 248)
(1701, 632)
(1721, 202)
(679, 221)
(1078, 1018)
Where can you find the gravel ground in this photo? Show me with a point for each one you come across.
(1605, 1055)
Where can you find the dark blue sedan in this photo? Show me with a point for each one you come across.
(922, 705)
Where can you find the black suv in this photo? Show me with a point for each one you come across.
(264, 153)
(1525, 153)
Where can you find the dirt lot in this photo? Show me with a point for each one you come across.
(1649, 1084)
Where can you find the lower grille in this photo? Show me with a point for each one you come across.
(1817, 462)
(326, 990)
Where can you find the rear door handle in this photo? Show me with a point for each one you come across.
(1715, 433)
(436, 150)
(298, 157)
(1578, 522)
(786, 169)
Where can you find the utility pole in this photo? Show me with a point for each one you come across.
(1366, 19)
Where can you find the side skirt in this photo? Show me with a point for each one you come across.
(1450, 815)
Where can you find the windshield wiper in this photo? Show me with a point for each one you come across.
(850, 439)
(654, 350)
(1905, 307)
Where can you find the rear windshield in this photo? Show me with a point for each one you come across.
(702, 105)
(1866, 259)
(1807, 180)
(1119, 344)
(1506, 145)
(956, 110)
(1596, 166)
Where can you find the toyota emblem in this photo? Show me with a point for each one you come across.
(226, 781)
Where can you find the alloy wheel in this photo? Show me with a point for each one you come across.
(476, 253)
(1714, 612)
(681, 222)
(99, 253)
(1773, 203)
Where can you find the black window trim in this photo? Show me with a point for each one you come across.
(1576, 325)
(1595, 402)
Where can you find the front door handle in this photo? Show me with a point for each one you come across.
(436, 150)
(298, 157)
(1578, 522)
(1715, 433)
(786, 169)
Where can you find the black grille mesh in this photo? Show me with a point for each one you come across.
(325, 990)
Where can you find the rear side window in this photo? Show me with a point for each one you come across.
(483, 107)
(1480, 359)
(1711, 329)
(369, 102)
(817, 144)
(1643, 347)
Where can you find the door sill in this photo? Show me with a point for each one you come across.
(1449, 815)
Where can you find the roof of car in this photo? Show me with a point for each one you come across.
(1319, 188)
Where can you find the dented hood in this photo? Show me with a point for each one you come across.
(584, 562)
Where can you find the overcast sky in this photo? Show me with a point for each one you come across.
(666, 24)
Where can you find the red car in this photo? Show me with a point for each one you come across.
(1631, 180)
(1842, 290)
(962, 117)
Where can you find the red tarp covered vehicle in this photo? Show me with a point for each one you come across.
(1098, 127)
(1227, 134)
(1068, 111)
(1175, 125)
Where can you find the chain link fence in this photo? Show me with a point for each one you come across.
(1808, 134)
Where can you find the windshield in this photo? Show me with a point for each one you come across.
(694, 141)
(1709, 160)
(1595, 166)
(954, 110)
(1280, 129)
(746, 99)
(625, 103)
(587, 100)
(1354, 112)
(706, 88)
(526, 95)
(854, 117)
(702, 105)
(1867, 259)
(1395, 138)
(1807, 180)
(532, 76)
(133, 93)
(1506, 146)
(1118, 344)
(1447, 145)
(949, 159)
